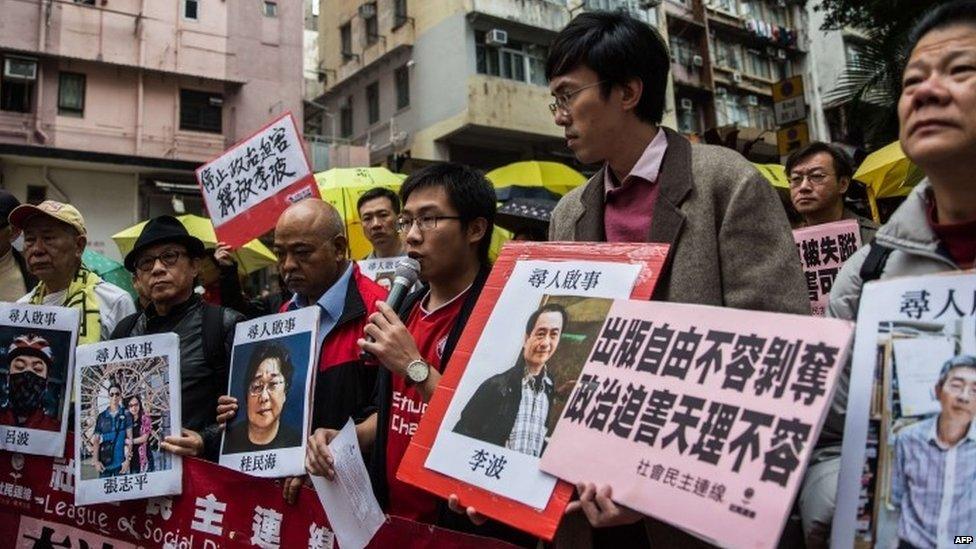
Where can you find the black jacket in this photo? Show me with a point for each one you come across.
(202, 378)
(490, 414)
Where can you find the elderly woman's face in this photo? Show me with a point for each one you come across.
(266, 394)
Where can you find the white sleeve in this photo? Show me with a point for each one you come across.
(114, 305)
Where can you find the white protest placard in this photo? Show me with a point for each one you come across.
(380, 270)
(889, 459)
(271, 375)
(248, 186)
(127, 400)
(466, 447)
(349, 502)
(37, 348)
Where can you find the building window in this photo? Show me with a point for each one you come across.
(373, 102)
(201, 111)
(758, 64)
(17, 84)
(726, 54)
(399, 13)
(71, 94)
(727, 6)
(345, 37)
(515, 60)
(371, 22)
(270, 9)
(191, 9)
(345, 118)
(687, 116)
(402, 78)
(86, 2)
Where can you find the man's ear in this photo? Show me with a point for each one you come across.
(81, 241)
(842, 184)
(477, 229)
(631, 93)
(195, 267)
(341, 244)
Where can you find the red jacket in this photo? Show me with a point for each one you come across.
(344, 382)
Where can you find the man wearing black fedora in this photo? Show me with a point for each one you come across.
(166, 263)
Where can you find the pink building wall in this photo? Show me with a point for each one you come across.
(137, 55)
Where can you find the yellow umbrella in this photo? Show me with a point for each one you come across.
(250, 257)
(552, 176)
(775, 174)
(886, 173)
(342, 188)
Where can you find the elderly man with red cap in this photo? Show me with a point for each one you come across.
(54, 239)
(29, 369)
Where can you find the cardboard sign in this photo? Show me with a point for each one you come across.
(37, 346)
(911, 331)
(248, 186)
(124, 407)
(823, 250)
(271, 371)
(446, 455)
(703, 417)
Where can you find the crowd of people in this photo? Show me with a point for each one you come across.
(730, 246)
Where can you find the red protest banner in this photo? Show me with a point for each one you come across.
(248, 186)
(537, 273)
(219, 508)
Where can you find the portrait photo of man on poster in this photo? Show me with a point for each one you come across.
(519, 399)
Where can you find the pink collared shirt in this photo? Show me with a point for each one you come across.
(629, 205)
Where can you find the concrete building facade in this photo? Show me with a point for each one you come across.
(112, 105)
(459, 80)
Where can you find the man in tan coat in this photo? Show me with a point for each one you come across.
(730, 239)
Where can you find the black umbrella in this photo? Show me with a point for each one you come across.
(525, 215)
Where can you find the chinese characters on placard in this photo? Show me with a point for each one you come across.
(794, 370)
(258, 169)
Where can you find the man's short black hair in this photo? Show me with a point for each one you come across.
(618, 48)
(468, 191)
(945, 15)
(379, 192)
(270, 351)
(547, 308)
(842, 164)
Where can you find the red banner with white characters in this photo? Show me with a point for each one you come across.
(219, 508)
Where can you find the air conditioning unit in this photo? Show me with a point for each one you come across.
(737, 77)
(496, 37)
(697, 61)
(781, 54)
(752, 101)
(687, 105)
(721, 92)
(19, 68)
(367, 11)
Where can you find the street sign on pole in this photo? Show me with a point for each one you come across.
(788, 104)
(792, 137)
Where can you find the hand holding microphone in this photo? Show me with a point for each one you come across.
(404, 277)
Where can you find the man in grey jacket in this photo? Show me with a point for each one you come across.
(933, 231)
(730, 240)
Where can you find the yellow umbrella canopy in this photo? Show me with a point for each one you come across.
(775, 174)
(552, 176)
(887, 173)
(250, 257)
(342, 188)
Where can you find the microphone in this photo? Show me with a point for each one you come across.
(404, 277)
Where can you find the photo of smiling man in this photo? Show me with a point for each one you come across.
(266, 383)
(517, 401)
